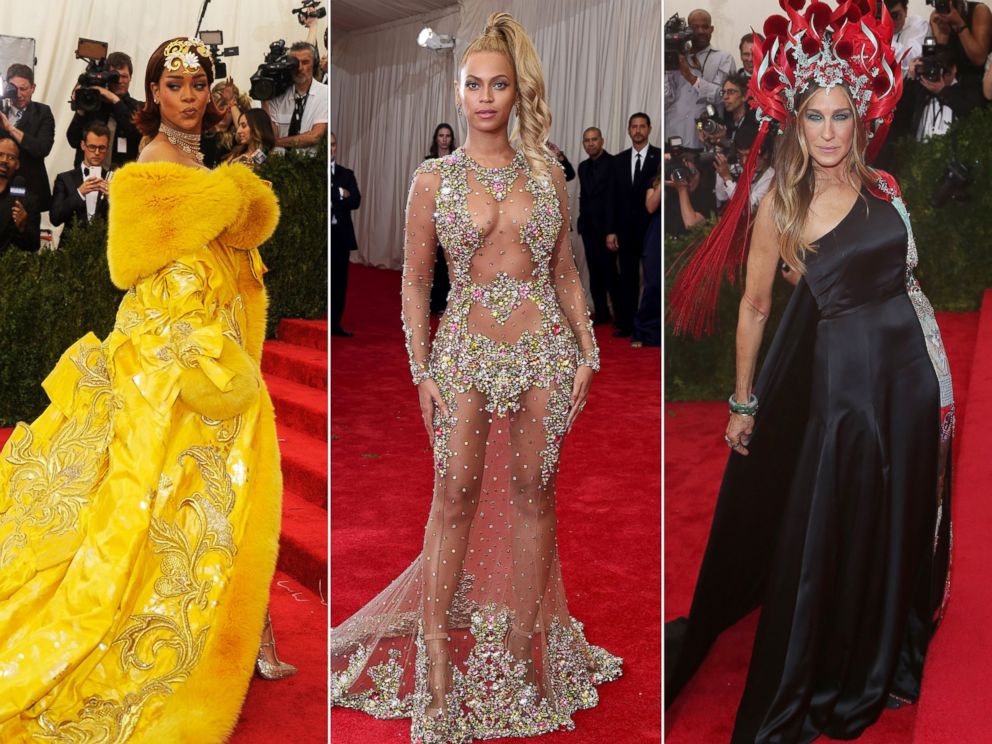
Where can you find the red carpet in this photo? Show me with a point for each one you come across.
(608, 507)
(695, 456)
(295, 709)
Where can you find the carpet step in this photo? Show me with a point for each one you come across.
(303, 542)
(299, 406)
(292, 709)
(302, 364)
(304, 465)
(310, 333)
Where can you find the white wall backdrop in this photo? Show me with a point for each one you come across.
(137, 27)
(602, 62)
(731, 18)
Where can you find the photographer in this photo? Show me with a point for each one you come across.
(727, 176)
(908, 32)
(747, 58)
(966, 30)
(933, 97)
(32, 127)
(116, 111)
(299, 116)
(20, 218)
(81, 194)
(696, 82)
(684, 200)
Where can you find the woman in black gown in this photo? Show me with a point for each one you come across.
(834, 512)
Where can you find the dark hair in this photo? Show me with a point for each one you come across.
(98, 128)
(5, 137)
(19, 70)
(749, 39)
(118, 60)
(438, 128)
(261, 129)
(148, 117)
(301, 46)
(738, 81)
(641, 115)
(890, 4)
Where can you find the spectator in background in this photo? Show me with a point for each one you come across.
(747, 57)
(633, 170)
(217, 142)
(685, 202)
(117, 112)
(299, 115)
(81, 193)
(908, 32)
(738, 115)
(647, 322)
(562, 160)
(32, 127)
(254, 137)
(696, 83)
(344, 198)
(595, 203)
(761, 181)
(966, 30)
(442, 144)
(20, 218)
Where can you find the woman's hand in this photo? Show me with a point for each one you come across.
(739, 432)
(721, 166)
(430, 396)
(580, 392)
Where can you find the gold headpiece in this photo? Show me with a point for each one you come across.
(180, 55)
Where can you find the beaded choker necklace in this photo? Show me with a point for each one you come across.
(496, 181)
(185, 141)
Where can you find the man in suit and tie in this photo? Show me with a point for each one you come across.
(595, 205)
(344, 198)
(81, 193)
(32, 126)
(633, 171)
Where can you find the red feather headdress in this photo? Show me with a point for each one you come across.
(818, 48)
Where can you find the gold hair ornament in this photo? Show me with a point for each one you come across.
(180, 55)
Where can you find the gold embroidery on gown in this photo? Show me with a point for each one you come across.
(504, 358)
(123, 512)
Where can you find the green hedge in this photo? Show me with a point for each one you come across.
(954, 243)
(49, 300)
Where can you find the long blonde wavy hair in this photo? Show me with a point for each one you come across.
(504, 34)
(795, 181)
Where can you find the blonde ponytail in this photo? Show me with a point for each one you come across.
(504, 34)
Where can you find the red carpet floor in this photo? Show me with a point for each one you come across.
(695, 456)
(608, 507)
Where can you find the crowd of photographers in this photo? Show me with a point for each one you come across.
(710, 126)
(293, 113)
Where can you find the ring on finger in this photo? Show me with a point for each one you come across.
(729, 441)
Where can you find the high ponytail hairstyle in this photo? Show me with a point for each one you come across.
(504, 34)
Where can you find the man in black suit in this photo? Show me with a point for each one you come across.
(595, 204)
(20, 219)
(344, 198)
(116, 111)
(81, 193)
(32, 126)
(633, 171)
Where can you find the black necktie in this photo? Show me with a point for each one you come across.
(637, 167)
(294, 123)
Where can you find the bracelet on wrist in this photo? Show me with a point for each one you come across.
(589, 359)
(419, 372)
(743, 409)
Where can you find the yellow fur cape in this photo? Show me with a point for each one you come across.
(160, 212)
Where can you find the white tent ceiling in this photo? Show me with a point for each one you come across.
(353, 15)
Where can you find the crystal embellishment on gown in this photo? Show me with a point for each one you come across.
(485, 596)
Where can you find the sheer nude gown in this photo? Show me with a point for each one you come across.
(474, 639)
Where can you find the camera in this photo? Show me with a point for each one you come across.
(953, 184)
(932, 66)
(309, 9)
(7, 95)
(275, 74)
(214, 39)
(941, 6)
(96, 75)
(729, 151)
(678, 41)
(710, 122)
(675, 167)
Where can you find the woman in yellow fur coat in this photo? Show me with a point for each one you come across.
(139, 515)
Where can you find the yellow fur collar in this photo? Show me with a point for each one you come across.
(160, 211)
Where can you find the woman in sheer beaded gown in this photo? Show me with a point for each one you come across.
(474, 640)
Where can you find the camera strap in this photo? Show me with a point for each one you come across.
(296, 122)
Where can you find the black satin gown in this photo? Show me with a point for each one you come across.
(831, 525)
